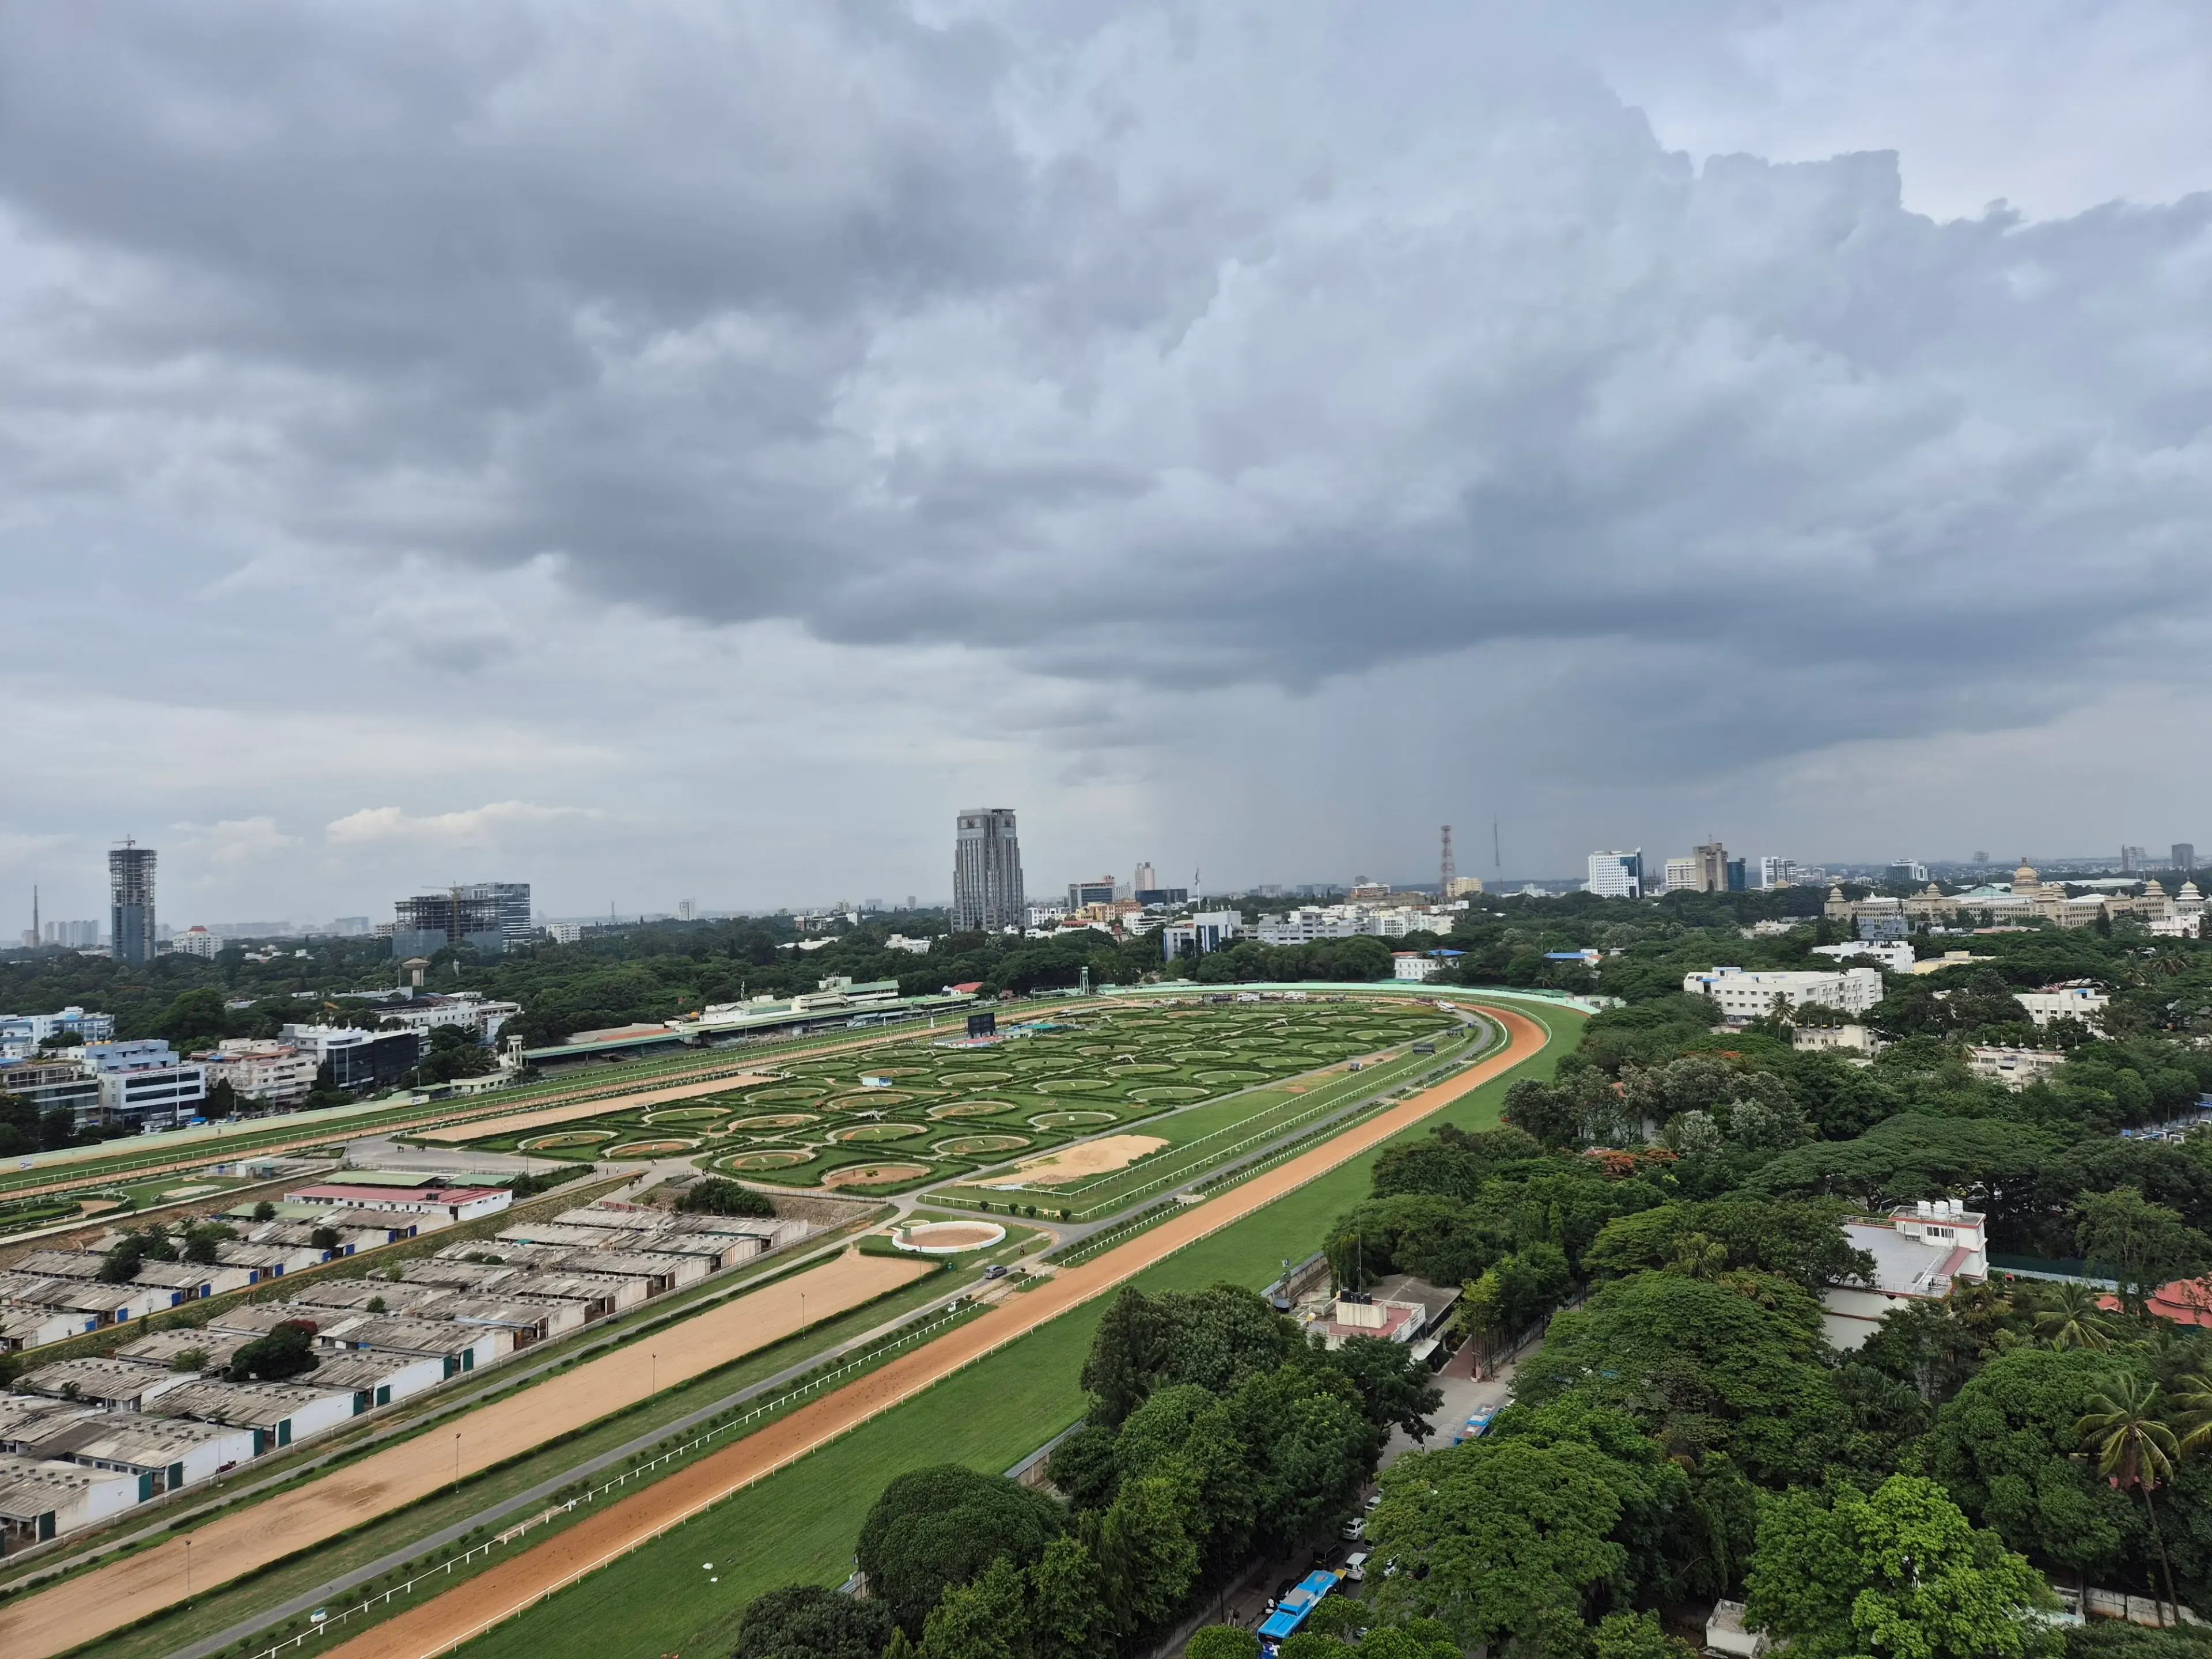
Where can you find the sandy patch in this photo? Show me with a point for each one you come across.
(874, 1174)
(948, 1237)
(1095, 1158)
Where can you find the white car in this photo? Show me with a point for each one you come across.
(1355, 1566)
(1353, 1529)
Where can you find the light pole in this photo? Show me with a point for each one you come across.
(456, 1460)
(188, 1570)
(656, 1373)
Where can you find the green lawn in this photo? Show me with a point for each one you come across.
(799, 1523)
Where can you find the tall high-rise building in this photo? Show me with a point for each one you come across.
(1774, 871)
(2132, 860)
(2184, 857)
(1145, 880)
(987, 871)
(131, 901)
(1616, 875)
(1712, 861)
(490, 915)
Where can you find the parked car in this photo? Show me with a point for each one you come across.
(1355, 1527)
(1355, 1567)
(1374, 1502)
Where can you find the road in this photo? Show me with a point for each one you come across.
(82, 1608)
(446, 1620)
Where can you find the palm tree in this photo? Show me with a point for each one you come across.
(2075, 1317)
(2192, 1395)
(2126, 1427)
(1696, 1256)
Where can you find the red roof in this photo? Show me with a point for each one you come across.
(972, 985)
(2185, 1302)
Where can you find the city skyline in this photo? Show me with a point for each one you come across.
(688, 544)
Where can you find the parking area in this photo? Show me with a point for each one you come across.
(1462, 1393)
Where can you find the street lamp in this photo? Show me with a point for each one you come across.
(456, 1460)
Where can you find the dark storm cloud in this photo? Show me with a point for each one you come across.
(1183, 346)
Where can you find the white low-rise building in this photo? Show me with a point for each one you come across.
(2082, 1002)
(1919, 1252)
(165, 1453)
(1892, 954)
(1848, 1041)
(1414, 965)
(1743, 996)
(41, 1500)
(273, 1414)
(2014, 1067)
(275, 1073)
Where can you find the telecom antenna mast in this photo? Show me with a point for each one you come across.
(1448, 873)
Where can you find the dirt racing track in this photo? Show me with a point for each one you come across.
(85, 1608)
(447, 1620)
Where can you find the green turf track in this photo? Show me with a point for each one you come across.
(799, 1523)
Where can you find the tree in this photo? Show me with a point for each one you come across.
(715, 1196)
(288, 1350)
(1899, 1573)
(1145, 1555)
(1705, 1364)
(1515, 1536)
(221, 1099)
(1515, 1291)
(264, 1211)
(1800, 1241)
(202, 1238)
(942, 1525)
(1395, 1385)
(1068, 1615)
(1222, 1642)
(2073, 1316)
(325, 1239)
(2125, 1428)
(984, 1619)
(118, 1264)
(2003, 1448)
(809, 1621)
(1214, 1338)
(1636, 1636)
(1085, 1468)
(2145, 1245)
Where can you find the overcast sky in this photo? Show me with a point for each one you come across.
(690, 451)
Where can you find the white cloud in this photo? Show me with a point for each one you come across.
(1129, 413)
(482, 826)
(235, 844)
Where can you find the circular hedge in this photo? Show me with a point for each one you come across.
(858, 1133)
(779, 1157)
(973, 1109)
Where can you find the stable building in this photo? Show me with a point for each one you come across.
(272, 1414)
(29, 1421)
(453, 1204)
(462, 1347)
(163, 1349)
(164, 1453)
(379, 1378)
(115, 1385)
(40, 1500)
